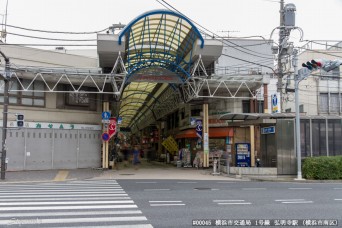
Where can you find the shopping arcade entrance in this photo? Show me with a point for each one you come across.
(156, 44)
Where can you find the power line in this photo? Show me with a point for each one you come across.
(211, 31)
(47, 31)
(46, 38)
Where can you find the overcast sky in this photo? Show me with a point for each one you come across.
(319, 19)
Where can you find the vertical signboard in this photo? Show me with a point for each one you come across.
(275, 103)
(243, 154)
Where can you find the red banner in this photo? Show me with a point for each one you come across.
(112, 127)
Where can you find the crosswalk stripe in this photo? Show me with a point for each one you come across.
(55, 192)
(63, 203)
(83, 207)
(97, 204)
(67, 213)
(65, 190)
(63, 198)
(38, 195)
(76, 220)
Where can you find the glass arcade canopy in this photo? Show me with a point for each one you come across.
(159, 46)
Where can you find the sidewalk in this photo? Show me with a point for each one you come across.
(145, 170)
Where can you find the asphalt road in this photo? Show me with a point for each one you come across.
(168, 203)
(176, 203)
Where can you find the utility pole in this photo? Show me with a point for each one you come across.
(7, 78)
(280, 54)
(298, 77)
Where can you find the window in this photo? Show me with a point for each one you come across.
(288, 110)
(334, 137)
(260, 106)
(324, 102)
(246, 108)
(334, 102)
(82, 100)
(301, 108)
(34, 97)
(319, 141)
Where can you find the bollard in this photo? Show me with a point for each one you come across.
(215, 167)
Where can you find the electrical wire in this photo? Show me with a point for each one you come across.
(250, 62)
(212, 32)
(60, 32)
(46, 38)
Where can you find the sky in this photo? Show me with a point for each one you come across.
(318, 19)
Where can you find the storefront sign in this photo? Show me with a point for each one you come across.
(50, 125)
(275, 103)
(199, 128)
(206, 143)
(268, 130)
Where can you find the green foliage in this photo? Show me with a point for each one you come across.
(322, 168)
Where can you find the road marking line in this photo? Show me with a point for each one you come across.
(156, 189)
(169, 204)
(81, 207)
(289, 200)
(46, 214)
(61, 175)
(38, 195)
(75, 220)
(337, 199)
(65, 203)
(299, 188)
(338, 188)
(176, 201)
(56, 192)
(298, 202)
(226, 182)
(228, 200)
(142, 182)
(186, 182)
(253, 188)
(234, 203)
(65, 190)
(65, 199)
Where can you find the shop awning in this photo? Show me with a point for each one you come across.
(217, 132)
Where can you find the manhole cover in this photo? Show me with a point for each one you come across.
(127, 174)
(202, 188)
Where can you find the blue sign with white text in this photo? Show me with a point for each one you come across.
(268, 130)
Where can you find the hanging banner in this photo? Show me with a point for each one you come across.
(199, 128)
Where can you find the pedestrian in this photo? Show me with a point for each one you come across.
(136, 156)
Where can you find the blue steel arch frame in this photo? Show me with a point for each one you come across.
(160, 11)
(163, 41)
(159, 41)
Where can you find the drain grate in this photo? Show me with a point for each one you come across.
(202, 188)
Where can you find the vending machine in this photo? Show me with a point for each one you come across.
(243, 154)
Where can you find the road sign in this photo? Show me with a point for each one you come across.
(112, 127)
(119, 120)
(105, 115)
(106, 121)
(105, 137)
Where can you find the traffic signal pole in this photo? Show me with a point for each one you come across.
(6, 77)
(297, 78)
